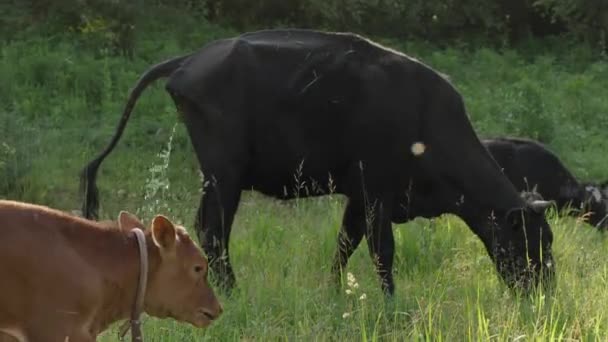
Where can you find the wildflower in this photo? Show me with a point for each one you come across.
(363, 296)
(346, 315)
(349, 291)
(351, 278)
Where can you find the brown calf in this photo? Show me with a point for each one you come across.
(63, 276)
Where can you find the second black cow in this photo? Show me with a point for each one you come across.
(531, 166)
(336, 108)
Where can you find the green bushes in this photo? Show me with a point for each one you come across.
(111, 24)
(587, 19)
(500, 21)
(7, 159)
(102, 24)
(13, 163)
(415, 18)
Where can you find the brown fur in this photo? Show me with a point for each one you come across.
(66, 276)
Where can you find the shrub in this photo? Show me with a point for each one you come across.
(110, 25)
(431, 19)
(585, 18)
(7, 156)
(104, 24)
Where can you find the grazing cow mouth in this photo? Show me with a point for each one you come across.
(520, 275)
(203, 318)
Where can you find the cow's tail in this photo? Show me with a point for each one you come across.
(88, 176)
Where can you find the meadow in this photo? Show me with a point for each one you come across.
(60, 100)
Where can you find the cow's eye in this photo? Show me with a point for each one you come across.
(198, 269)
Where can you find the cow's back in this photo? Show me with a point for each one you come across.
(301, 101)
(529, 164)
(40, 270)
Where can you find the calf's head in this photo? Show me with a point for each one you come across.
(178, 285)
(520, 245)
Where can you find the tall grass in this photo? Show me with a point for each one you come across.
(59, 105)
(446, 285)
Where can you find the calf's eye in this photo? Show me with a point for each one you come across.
(198, 269)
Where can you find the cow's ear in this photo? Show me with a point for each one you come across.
(128, 221)
(163, 233)
(514, 218)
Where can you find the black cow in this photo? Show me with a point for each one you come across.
(265, 106)
(532, 167)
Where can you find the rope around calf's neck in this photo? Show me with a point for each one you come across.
(138, 305)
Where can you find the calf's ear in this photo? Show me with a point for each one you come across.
(128, 221)
(163, 233)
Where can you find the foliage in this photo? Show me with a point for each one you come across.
(500, 21)
(7, 160)
(107, 25)
(409, 18)
(586, 18)
(112, 24)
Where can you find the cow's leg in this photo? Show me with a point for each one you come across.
(370, 214)
(213, 225)
(220, 146)
(381, 243)
(350, 235)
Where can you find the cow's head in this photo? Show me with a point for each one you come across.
(530, 196)
(604, 189)
(596, 200)
(177, 282)
(521, 246)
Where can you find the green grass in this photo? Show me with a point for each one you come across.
(59, 104)
(447, 288)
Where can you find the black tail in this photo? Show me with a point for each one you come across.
(88, 175)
